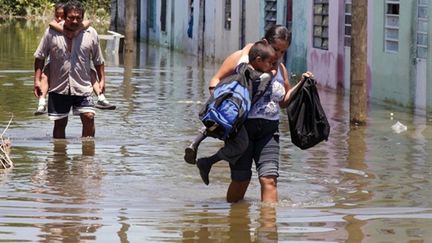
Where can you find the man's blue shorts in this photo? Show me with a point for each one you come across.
(59, 106)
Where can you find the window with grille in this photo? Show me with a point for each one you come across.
(270, 13)
(348, 11)
(422, 29)
(227, 14)
(391, 26)
(320, 24)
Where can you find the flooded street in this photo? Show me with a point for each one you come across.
(130, 184)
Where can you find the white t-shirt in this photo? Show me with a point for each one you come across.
(267, 107)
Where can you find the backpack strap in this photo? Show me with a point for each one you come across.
(257, 82)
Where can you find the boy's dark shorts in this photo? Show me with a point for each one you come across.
(59, 106)
(234, 147)
(263, 148)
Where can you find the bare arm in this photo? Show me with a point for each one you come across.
(100, 70)
(228, 66)
(56, 26)
(38, 66)
(284, 102)
(84, 25)
(70, 34)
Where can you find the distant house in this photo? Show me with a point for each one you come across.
(399, 66)
(399, 60)
(401, 56)
(323, 31)
(209, 28)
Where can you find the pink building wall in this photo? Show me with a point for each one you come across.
(327, 65)
(332, 67)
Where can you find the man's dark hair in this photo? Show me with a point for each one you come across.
(261, 49)
(73, 5)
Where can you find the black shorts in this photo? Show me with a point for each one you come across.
(263, 148)
(234, 147)
(59, 106)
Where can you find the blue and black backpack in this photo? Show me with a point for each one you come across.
(228, 106)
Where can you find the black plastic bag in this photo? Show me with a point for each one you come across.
(307, 120)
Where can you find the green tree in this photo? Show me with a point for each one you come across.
(40, 8)
(25, 7)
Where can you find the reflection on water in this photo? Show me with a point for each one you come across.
(76, 180)
(241, 222)
(130, 184)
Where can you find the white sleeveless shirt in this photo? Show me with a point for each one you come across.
(267, 107)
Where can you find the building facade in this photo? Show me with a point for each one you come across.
(401, 57)
(208, 28)
(399, 60)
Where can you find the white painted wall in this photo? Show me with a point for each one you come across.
(323, 63)
(254, 21)
(226, 41)
(179, 38)
(218, 42)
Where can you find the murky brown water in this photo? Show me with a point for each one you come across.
(131, 184)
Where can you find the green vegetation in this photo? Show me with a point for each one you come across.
(25, 7)
(96, 9)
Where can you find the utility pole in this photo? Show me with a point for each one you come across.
(130, 25)
(358, 94)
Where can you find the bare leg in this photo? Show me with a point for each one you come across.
(42, 96)
(102, 102)
(87, 120)
(267, 228)
(60, 128)
(269, 192)
(192, 150)
(237, 190)
(88, 147)
(205, 164)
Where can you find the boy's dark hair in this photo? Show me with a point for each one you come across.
(73, 5)
(59, 5)
(261, 49)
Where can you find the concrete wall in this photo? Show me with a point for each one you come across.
(254, 19)
(324, 63)
(297, 52)
(180, 23)
(226, 41)
(331, 67)
(392, 76)
(177, 23)
(429, 62)
(210, 38)
(423, 84)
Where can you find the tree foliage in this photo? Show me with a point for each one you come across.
(24, 7)
(45, 7)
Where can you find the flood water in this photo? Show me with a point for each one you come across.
(130, 184)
